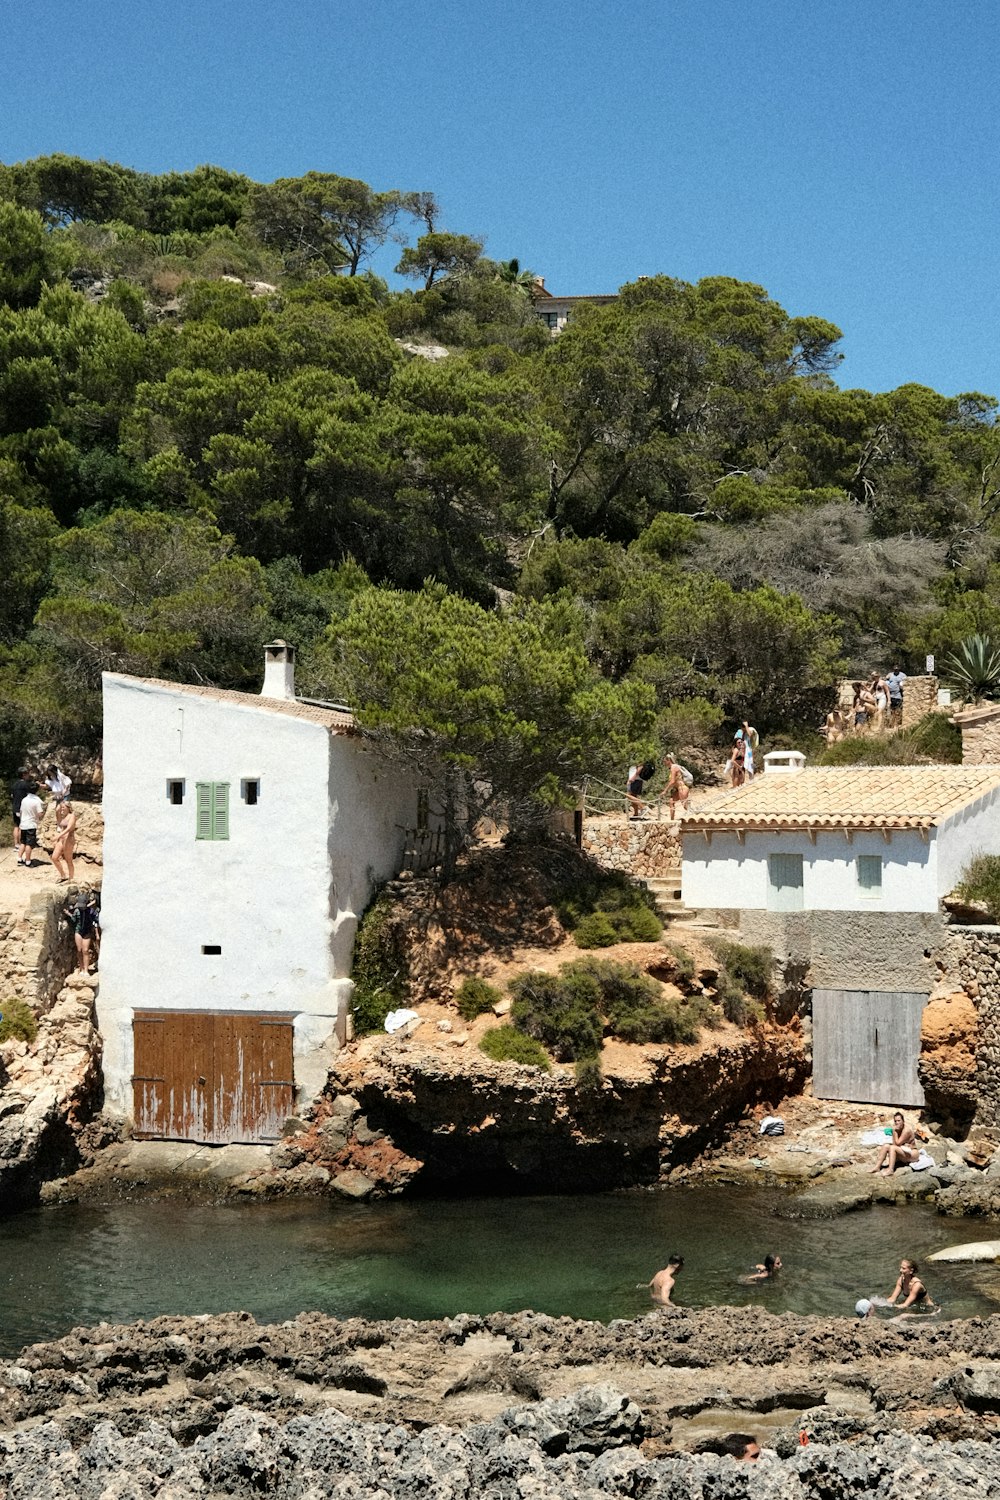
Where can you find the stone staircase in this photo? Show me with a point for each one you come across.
(666, 892)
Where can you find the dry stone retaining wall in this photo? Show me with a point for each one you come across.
(37, 949)
(970, 957)
(644, 850)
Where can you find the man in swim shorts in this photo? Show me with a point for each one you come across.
(662, 1283)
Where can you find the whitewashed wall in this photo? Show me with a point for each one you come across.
(281, 895)
(729, 875)
(975, 830)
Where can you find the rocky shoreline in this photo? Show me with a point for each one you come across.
(506, 1405)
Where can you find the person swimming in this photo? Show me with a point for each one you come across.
(766, 1271)
(662, 1283)
(911, 1289)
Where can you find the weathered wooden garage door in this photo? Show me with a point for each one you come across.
(866, 1045)
(209, 1077)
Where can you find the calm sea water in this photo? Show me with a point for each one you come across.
(66, 1266)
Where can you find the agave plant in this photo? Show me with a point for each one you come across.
(975, 668)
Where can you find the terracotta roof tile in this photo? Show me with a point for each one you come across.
(338, 721)
(847, 797)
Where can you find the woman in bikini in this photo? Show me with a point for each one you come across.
(65, 841)
(902, 1150)
(911, 1288)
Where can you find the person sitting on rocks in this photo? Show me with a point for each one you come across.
(662, 1283)
(902, 1150)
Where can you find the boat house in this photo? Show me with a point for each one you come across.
(244, 836)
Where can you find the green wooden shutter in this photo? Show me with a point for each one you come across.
(203, 818)
(220, 824)
(784, 891)
(870, 874)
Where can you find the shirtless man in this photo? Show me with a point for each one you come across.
(902, 1150)
(677, 789)
(662, 1283)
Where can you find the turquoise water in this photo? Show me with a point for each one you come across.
(582, 1256)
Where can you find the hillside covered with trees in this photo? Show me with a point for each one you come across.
(544, 554)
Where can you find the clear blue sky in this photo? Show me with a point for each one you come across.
(840, 152)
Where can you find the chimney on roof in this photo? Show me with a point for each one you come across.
(279, 670)
(540, 282)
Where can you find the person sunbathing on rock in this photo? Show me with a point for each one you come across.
(902, 1150)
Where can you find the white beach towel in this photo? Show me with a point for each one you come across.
(397, 1019)
(922, 1162)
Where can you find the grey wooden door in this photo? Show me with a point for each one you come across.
(866, 1045)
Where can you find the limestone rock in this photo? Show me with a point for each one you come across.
(353, 1184)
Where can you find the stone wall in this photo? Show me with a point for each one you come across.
(919, 698)
(644, 850)
(980, 735)
(37, 950)
(969, 958)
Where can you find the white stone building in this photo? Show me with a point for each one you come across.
(243, 838)
(841, 870)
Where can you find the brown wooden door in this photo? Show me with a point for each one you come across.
(213, 1078)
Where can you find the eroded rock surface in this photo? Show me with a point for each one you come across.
(506, 1405)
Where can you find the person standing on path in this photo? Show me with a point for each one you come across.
(894, 682)
(32, 813)
(64, 842)
(58, 783)
(18, 791)
(751, 740)
(677, 789)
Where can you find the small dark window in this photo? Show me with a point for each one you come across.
(211, 948)
(251, 792)
(175, 792)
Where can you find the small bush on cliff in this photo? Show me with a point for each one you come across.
(474, 997)
(19, 1023)
(601, 907)
(736, 1006)
(506, 1044)
(380, 969)
(632, 1004)
(559, 1010)
(981, 882)
(685, 964)
(750, 967)
(587, 1073)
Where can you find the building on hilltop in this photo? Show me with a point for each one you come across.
(244, 836)
(843, 869)
(555, 312)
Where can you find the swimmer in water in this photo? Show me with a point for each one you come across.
(662, 1283)
(766, 1272)
(911, 1289)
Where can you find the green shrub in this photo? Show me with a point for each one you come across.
(587, 1072)
(505, 1044)
(686, 966)
(736, 1006)
(628, 910)
(932, 738)
(380, 969)
(595, 931)
(981, 882)
(750, 967)
(18, 1021)
(562, 1011)
(474, 997)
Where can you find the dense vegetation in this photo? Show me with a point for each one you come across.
(533, 556)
